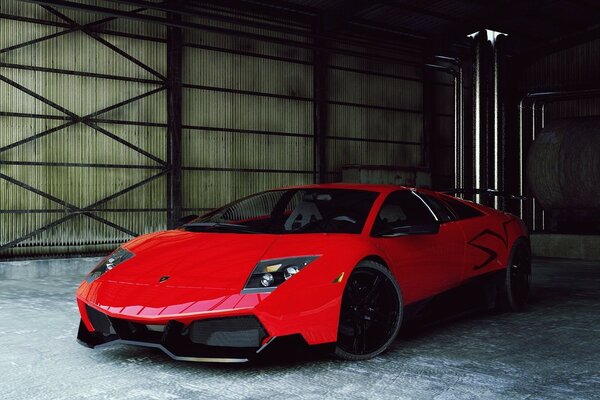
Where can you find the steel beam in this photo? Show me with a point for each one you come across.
(216, 29)
(70, 207)
(73, 211)
(98, 38)
(320, 105)
(78, 73)
(488, 112)
(562, 42)
(429, 122)
(174, 117)
(76, 119)
(69, 28)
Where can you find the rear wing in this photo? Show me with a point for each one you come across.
(488, 192)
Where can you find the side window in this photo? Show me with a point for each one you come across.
(460, 209)
(402, 208)
(440, 209)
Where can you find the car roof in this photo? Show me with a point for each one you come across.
(354, 186)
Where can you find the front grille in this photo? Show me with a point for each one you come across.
(232, 337)
(228, 332)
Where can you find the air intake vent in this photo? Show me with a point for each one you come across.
(228, 332)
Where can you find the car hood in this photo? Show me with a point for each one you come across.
(192, 259)
(211, 260)
(206, 271)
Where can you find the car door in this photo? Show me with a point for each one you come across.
(426, 252)
(486, 238)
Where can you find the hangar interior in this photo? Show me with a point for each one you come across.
(118, 118)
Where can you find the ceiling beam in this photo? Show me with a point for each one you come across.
(336, 17)
(216, 29)
(184, 10)
(588, 4)
(497, 12)
(533, 53)
(264, 10)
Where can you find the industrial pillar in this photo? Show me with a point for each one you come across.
(488, 114)
(174, 106)
(320, 72)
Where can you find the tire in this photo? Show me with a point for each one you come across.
(515, 289)
(371, 312)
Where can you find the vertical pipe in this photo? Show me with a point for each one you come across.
(496, 123)
(532, 138)
(429, 126)
(461, 133)
(543, 116)
(320, 97)
(537, 213)
(521, 158)
(457, 144)
(476, 117)
(483, 109)
(174, 115)
(429, 122)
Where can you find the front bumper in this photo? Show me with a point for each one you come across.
(228, 339)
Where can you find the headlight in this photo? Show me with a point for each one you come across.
(117, 257)
(268, 274)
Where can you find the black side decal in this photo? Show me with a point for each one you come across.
(492, 255)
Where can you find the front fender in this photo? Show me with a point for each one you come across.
(310, 303)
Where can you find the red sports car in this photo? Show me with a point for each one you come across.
(339, 264)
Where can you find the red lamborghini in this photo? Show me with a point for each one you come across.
(341, 264)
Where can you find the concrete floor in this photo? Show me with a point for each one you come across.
(551, 351)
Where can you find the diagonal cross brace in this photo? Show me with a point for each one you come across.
(64, 32)
(74, 211)
(76, 119)
(71, 207)
(77, 26)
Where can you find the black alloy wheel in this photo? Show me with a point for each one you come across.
(516, 289)
(371, 312)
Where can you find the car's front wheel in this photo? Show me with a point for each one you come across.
(371, 312)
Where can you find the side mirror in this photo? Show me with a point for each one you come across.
(184, 220)
(404, 230)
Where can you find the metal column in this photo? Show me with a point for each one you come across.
(488, 119)
(429, 117)
(320, 67)
(174, 122)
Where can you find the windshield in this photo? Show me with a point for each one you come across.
(291, 211)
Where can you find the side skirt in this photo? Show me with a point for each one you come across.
(476, 294)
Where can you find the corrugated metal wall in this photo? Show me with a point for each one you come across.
(247, 116)
(375, 116)
(247, 123)
(575, 68)
(442, 141)
(78, 164)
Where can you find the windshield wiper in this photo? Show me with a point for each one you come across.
(225, 225)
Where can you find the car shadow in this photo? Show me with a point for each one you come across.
(293, 352)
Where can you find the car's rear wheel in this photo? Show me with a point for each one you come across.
(371, 312)
(516, 288)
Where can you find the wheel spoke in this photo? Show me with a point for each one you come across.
(353, 292)
(373, 293)
(363, 334)
(356, 340)
(519, 277)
